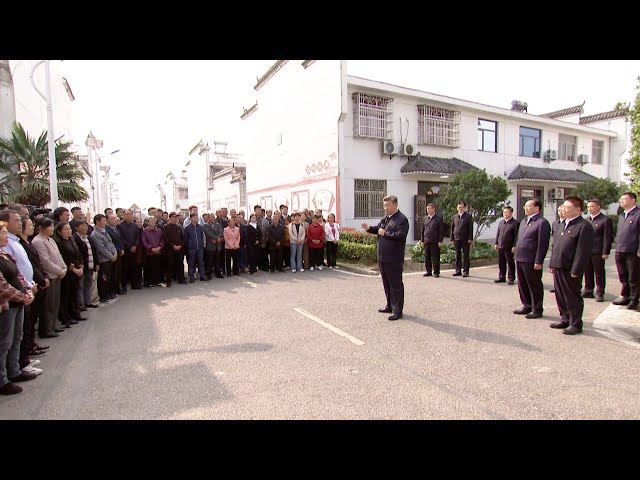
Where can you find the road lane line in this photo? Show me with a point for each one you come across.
(254, 285)
(330, 327)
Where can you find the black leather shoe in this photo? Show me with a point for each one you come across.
(522, 311)
(553, 290)
(632, 306)
(457, 274)
(500, 280)
(533, 315)
(587, 295)
(49, 335)
(192, 280)
(58, 330)
(621, 301)
(599, 298)
(81, 319)
(395, 316)
(73, 322)
(385, 310)
(560, 325)
(511, 282)
(572, 330)
(437, 275)
(427, 275)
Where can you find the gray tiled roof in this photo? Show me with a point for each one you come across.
(565, 112)
(549, 175)
(604, 116)
(436, 165)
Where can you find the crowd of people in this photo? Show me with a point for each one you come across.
(56, 265)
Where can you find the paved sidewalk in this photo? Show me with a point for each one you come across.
(620, 324)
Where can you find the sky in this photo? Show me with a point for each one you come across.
(154, 112)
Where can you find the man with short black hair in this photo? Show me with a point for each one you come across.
(174, 247)
(114, 233)
(570, 254)
(432, 237)
(628, 251)
(61, 214)
(602, 241)
(461, 236)
(107, 256)
(505, 241)
(76, 213)
(130, 234)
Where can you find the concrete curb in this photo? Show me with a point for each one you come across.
(618, 323)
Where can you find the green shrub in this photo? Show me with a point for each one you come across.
(448, 252)
(614, 219)
(357, 251)
(357, 236)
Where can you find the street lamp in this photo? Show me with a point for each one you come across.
(53, 173)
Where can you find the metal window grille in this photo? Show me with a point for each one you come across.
(597, 149)
(243, 193)
(567, 150)
(372, 116)
(183, 193)
(438, 126)
(369, 195)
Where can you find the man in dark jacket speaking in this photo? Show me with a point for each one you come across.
(392, 237)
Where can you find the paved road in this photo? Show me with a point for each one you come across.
(312, 346)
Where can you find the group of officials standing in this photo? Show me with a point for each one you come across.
(579, 248)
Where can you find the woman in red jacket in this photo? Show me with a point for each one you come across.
(315, 239)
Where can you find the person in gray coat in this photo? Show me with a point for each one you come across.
(107, 255)
(213, 247)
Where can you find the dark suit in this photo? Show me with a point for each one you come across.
(602, 240)
(570, 255)
(194, 240)
(461, 235)
(531, 248)
(627, 251)
(118, 265)
(432, 233)
(391, 257)
(506, 240)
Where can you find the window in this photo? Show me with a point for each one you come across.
(567, 148)
(597, 149)
(372, 116)
(183, 193)
(530, 142)
(487, 135)
(243, 192)
(438, 126)
(369, 195)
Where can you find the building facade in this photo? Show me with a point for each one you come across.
(318, 138)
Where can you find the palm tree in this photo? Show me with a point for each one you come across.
(25, 161)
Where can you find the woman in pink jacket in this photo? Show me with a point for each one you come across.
(232, 247)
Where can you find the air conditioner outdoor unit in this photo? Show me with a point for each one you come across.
(556, 193)
(550, 155)
(582, 159)
(409, 149)
(390, 148)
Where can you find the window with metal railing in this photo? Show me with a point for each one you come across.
(372, 116)
(369, 195)
(438, 126)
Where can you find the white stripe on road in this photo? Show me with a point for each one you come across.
(330, 327)
(254, 285)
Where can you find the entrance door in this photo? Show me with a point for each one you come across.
(524, 194)
(419, 211)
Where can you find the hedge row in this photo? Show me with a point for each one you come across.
(357, 251)
(357, 236)
(448, 252)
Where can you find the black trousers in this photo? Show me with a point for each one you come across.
(332, 253)
(393, 286)
(31, 313)
(104, 280)
(253, 252)
(116, 277)
(530, 286)
(570, 302)
(264, 258)
(152, 269)
(69, 308)
(175, 265)
(315, 256)
(595, 268)
(130, 270)
(505, 259)
(432, 258)
(275, 258)
(462, 246)
(235, 256)
(629, 274)
(211, 261)
(285, 255)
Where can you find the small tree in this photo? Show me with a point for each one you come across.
(485, 196)
(603, 189)
(634, 151)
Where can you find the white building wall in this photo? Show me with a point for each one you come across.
(197, 181)
(226, 194)
(31, 109)
(292, 138)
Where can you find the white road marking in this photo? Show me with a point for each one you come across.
(254, 285)
(330, 327)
